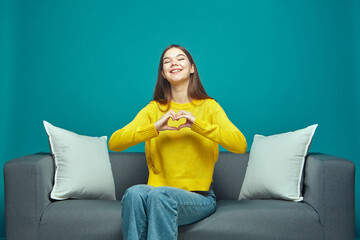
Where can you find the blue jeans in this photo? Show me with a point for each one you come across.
(154, 213)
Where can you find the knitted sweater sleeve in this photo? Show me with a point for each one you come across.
(138, 130)
(221, 130)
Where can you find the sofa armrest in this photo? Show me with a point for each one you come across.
(28, 183)
(329, 187)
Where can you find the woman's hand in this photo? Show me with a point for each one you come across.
(161, 124)
(190, 118)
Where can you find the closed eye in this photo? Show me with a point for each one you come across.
(180, 59)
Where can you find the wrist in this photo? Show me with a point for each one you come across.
(193, 120)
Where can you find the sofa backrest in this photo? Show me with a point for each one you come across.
(130, 168)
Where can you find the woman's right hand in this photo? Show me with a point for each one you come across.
(161, 124)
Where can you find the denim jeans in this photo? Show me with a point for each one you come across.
(154, 213)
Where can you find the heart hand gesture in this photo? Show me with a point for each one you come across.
(162, 123)
(190, 118)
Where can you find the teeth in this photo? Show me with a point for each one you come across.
(175, 71)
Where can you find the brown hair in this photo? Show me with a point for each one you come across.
(162, 93)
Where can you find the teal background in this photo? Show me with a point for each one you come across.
(90, 66)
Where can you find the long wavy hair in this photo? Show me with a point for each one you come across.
(162, 92)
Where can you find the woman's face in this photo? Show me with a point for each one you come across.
(176, 66)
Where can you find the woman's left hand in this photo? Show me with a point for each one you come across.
(190, 118)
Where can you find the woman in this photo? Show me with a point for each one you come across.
(182, 128)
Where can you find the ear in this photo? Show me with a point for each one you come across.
(162, 73)
(192, 70)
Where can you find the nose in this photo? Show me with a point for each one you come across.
(174, 62)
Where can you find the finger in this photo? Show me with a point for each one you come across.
(169, 114)
(180, 114)
(172, 114)
(188, 115)
(184, 116)
(170, 128)
(183, 126)
(183, 112)
(165, 118)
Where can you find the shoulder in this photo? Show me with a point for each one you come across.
(151, 105)
(156, 106)
(212, 103)
(207, 101)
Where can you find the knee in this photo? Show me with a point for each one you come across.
(161, 196)
(136, 193)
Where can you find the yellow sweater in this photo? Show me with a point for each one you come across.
(182, 158)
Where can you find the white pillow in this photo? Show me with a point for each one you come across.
(276, 164)
(83, 169)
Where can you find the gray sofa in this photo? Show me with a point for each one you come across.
(327, 211)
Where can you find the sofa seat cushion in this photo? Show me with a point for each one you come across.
(256, 219)
(81, 219)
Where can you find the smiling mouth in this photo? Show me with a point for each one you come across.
(175, 71)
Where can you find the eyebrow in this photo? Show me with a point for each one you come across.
(176, 56)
